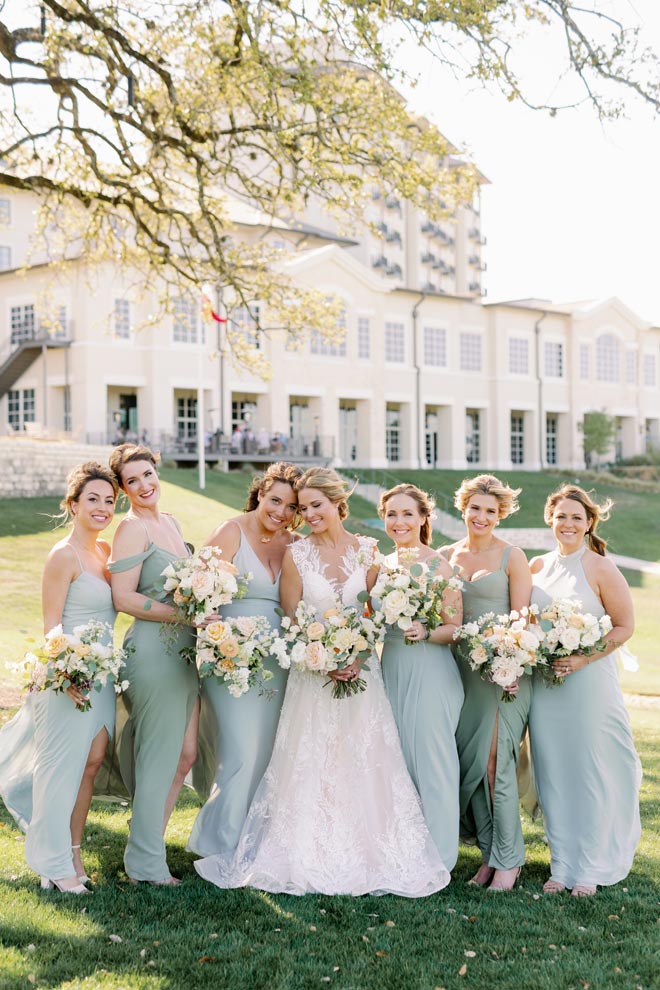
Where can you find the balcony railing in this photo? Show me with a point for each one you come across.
(258, 445)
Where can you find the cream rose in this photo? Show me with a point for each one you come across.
(202, 585)
(216, 631)
(316, 656)
(315, 630)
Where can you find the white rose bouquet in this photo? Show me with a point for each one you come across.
(201, 584)
(78, 659)
(234, 650)
(414, 594)
(501, 647)
(566, 629)
(337, 639)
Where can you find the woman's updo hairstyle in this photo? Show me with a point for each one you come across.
(125, 453)
(283, 472)
(488, 484)
(76, 480)
(595, 513)
(425, 505)
(330, 484)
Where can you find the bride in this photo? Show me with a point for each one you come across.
(336, 812)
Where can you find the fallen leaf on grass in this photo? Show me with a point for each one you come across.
(312, 928)
(213, 935)
(536, 897)
(469, 953)
(115, 938)
(143, 953)
(463, 970)
(617, 969)
(335, 969)
(207, 959)
(325, 979)
(32, 978)
(613, 917)
(30, 948)
(381, 953)
(390, 924)
(585, 984)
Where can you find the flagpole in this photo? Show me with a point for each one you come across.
(201, 447)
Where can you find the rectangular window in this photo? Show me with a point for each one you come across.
(21, 320)
(243, 412)
(395, 343)
(584, 362)
(393, 433)
(631, 367)
(551, 436)
(518, 356)
(650, 370)
(5, 212)
(435, 347)
(244, 321)
(54, 324)
(517, 438)
(364, 337)
(324, 346)
(553, 359)
(186, 418)
(5, 258)
(185, 321)
(470, 352)
(21, 407)
(122, 319)
(472, 436)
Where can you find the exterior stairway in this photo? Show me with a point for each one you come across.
(22, 355)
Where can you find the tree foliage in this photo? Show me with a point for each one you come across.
(142, 123)
(598, 430)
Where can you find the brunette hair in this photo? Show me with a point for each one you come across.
(76, 480)
(595, 513)
(127, 452)
(281, 471)
(327, 481)
(488, 484)
(425, 505)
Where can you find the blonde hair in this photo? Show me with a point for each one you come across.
(330, 484)
(488, 484)
(76, 480)
(125, 453)
(425, 505)
(282, 472)
(595, 513)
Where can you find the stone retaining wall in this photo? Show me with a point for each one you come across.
(31, 467)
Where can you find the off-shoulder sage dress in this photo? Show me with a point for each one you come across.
(160, 700)
(44, 749)
(424, 688)
(236, 735)
(586, 769)
(494, 824)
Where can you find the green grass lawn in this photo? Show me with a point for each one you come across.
(200, 937)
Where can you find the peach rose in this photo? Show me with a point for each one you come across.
(228, 647)
(216, 631)
(316, 656)
(315, 630)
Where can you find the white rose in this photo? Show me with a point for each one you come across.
(401, 581)
(569, 639)
(505, 671)
(345, 639)
(528, 641)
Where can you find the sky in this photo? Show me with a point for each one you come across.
(572, 211)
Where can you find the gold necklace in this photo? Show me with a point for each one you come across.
(267, 539)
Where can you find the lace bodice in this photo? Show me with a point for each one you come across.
(322, 591)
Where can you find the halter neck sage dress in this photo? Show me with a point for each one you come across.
(160, 700)
(586, 769)
(236, 735)
(494, 824)
(424, 688)
(45, 747)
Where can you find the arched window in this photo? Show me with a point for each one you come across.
(608, 358)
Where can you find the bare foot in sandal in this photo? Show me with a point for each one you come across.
(553, 887)
(582, 890)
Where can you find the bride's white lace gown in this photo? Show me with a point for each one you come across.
(336, 811)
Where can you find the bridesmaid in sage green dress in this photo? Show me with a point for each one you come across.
(51, 751)
(236, 735)
(422, 681)
(158, 743)
(496, 578)
(586, 769)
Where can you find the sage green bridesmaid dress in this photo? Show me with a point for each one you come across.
(45, 747)
(424, 688)
(160, 700)
(236, 735)
(586, 769)
(494, 824)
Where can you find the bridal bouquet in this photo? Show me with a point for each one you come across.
(338, 638)
(566, 629)
(414, 594)
(233, 650)
(78, 659)
(501, 647)
(202, 583)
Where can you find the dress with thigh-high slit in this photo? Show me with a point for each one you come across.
(160, 700)
(495, 825)
(44, 749)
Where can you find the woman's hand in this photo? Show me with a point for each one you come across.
(417, 632)
(76, 695)
(569, 665)
(349, 673)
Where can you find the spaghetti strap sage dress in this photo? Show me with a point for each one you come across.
(44, 749)
(236, 735)
(494, 824)
(424, 688)
(586, 769)
(160, 700)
